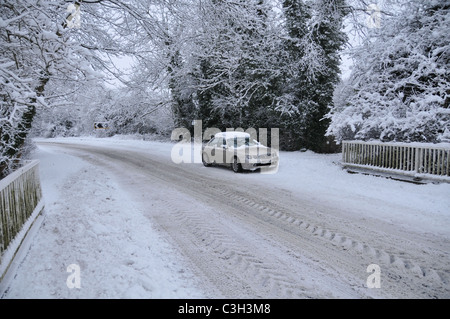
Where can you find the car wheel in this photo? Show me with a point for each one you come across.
(205, 160)
(236, 166)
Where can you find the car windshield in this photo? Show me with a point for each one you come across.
(241, 141)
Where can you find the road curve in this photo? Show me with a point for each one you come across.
(250, 240)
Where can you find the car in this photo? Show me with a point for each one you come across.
(238, 151)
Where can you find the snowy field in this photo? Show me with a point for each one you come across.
(92, 221)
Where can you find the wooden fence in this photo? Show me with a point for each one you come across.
(420, 160)
(20, 203)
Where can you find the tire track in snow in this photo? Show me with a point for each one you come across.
(346, 242)
(403, 276)
(266, 279)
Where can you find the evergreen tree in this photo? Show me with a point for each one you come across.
(327, 34)
(292, 106)
(236, 63)
(315, 38)
(204, 97)
(183, 107)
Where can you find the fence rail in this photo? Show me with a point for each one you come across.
(20, 199)
(415, 159)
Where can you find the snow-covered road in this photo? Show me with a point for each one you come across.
(140, 226)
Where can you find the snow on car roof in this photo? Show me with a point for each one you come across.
(232, 134)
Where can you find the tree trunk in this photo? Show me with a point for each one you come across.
(17, 141)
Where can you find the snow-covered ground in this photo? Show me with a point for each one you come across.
(89, 222)
(320, 177)
(92, 221)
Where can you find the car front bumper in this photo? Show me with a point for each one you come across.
(255, 164)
